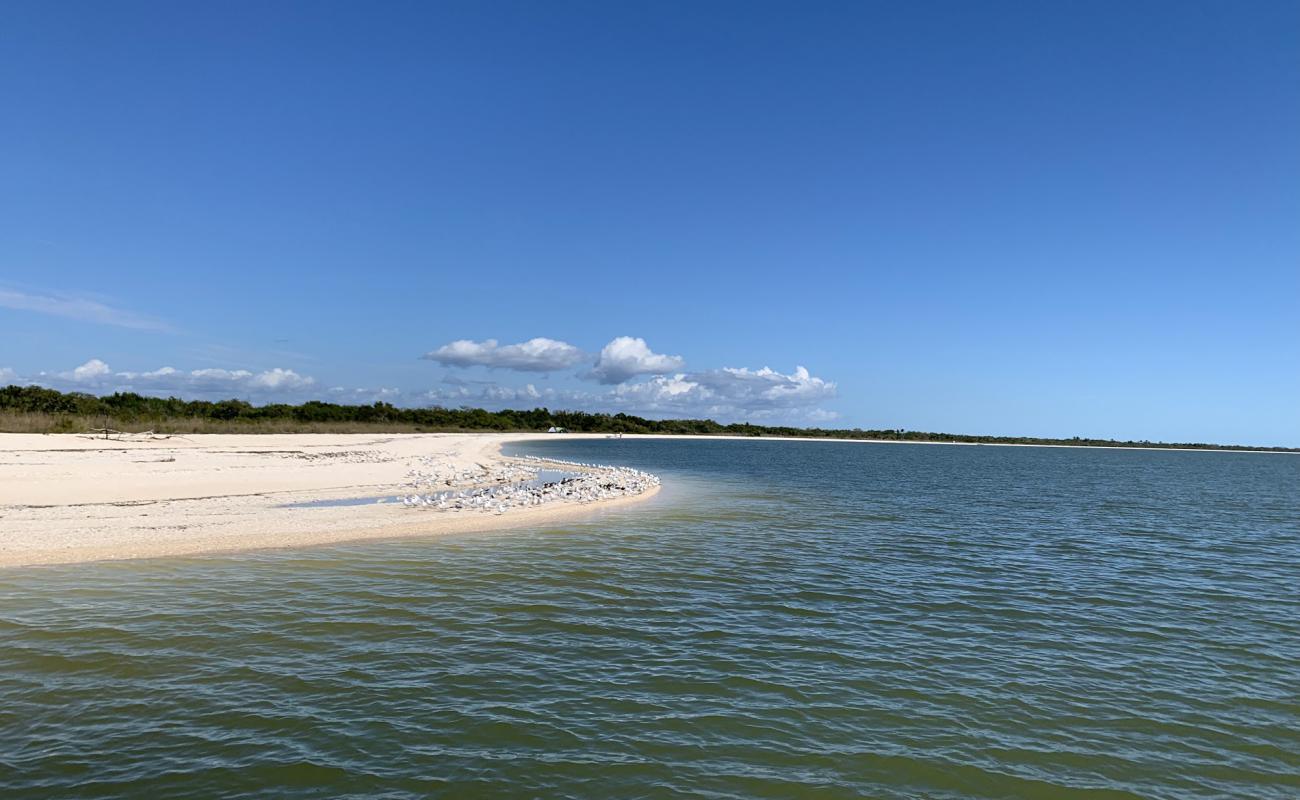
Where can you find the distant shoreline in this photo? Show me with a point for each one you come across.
(54, 425)
(1174, 448)
(36, 409)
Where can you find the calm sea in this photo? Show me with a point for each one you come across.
(785, 620)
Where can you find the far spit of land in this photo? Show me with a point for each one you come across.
(35, 409)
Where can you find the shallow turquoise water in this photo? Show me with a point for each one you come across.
(784, 620)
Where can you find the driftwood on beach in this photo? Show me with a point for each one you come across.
(124, 436)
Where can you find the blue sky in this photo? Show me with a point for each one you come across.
(1013, 218)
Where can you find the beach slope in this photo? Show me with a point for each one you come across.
(68, 498)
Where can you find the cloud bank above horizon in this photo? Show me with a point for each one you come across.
(727, 394)
(97, 376)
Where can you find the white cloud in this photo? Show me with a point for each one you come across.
(440, 396)
(622, 359)
(626, 357)
(161, 372)
(78, 308)
(766, 388)
(535, 355)
(266, 382)
(661, 390)
(215, 377)
(7, 376)
(97, 376)
(280, 379)
(727, 395)
(527, 394)
(493, 395)
(90, 371)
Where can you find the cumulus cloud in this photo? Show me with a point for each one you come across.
(78, 308)
(90, 371)
(619, 361)
(535, 355)
(626, 357)
(659, 391)
(727, 395)
(7, 376)
(278, 378)
(765, 388)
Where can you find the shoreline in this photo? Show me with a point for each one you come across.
(65, 498)
(70, 498)
(732, 437)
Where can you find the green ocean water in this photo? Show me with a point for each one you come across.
(784, 620)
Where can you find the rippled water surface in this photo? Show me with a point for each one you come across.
(784, 620)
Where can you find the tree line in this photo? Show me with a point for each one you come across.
(36, 408)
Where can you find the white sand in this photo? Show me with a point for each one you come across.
(65, 498)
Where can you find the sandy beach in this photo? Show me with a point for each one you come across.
(68, 498)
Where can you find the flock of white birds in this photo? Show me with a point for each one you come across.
(499, 488)
(438, 474)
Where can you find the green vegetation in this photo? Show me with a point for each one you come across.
(33, 409)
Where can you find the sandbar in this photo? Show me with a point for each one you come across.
(70, 498)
